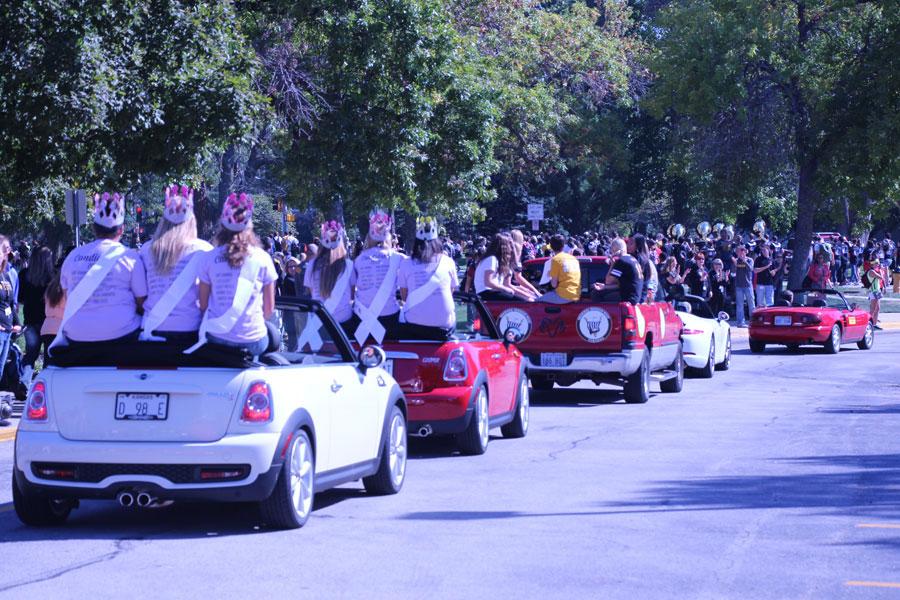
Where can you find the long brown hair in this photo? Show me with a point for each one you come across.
(40, 266)
(237, 244)
(54, 292)
(330, 264)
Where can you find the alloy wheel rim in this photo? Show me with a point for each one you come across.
(301, 477)
(836, 337)
(869, 334)
(483, 417)
(397, 450)
(712, 352)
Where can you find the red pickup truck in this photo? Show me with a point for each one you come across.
(604, 342)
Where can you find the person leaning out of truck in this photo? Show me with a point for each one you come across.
(624, 281)
(565, 275)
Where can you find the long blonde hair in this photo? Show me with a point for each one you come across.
(171, 241)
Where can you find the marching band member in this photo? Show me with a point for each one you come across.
(375, 276)
(108, 313)
(330, 276)
(237, 283)
(172, 261)
(427, 281)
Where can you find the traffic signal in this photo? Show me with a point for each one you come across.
(139, 213)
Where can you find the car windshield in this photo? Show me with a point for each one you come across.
(472, 321)
(307, 337)
(699, 307)
(819, 299)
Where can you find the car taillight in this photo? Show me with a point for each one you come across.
(691, 332)
(456, 368)
(810, 320)
(36, 407)
(257, 404)
(629, 325)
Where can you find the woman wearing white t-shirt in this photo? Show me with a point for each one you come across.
(237, 282)
(330, 276)
(493, 273)
(174, 248)
(375, 282)
(427, 281)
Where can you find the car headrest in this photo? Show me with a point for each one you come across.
(817, 303)
(782, 303)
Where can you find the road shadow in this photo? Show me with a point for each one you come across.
(785, 351)
(885, 409)
(442, 446)
(578, 397)
(105, 520)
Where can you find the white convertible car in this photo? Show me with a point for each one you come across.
(143, 423)
(706, 337)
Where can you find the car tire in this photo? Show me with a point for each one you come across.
(291, 501)
(518, 427)
(757, 347)
(37, 509)
(868, 339)
(833, 343)
(675, 384)
(637, 385)
(710, 368)
(392, 467)
(474, 440)
(726, 362)
(541, 384)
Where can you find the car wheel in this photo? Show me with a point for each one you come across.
(726, 362)
(637, 385)
(833, 344)
(37, 509)
(757, 347)
(474, 440)
(675, 384)
(541, 384)
(392, 466)
(709, 370)
(868, 339)
(291, 501)
(518, 427)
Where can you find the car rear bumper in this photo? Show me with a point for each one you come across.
(622, 363)
(445, 410)
(696, 351)
(156, 462)
(794, 334)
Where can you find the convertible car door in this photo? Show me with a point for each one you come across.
(355, 426)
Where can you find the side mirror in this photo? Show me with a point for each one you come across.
(854, 306)
(511, 336)
(723, 316)
(371, 357)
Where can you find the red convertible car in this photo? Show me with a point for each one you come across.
(465, 386)
(815, 317)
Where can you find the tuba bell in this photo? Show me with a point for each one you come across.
(729, 231)
(759, 228)
(718, 227)
(676, 231)
(703, 228)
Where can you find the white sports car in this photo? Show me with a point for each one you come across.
(142, 422)
(706, 337)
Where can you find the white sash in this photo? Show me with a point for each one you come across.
(418, 295)
(170, 299)
(225, 322)
(369, 314)
(310, 334)
(86, 288)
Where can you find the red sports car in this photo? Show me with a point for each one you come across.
(465, 386)
(815, 317)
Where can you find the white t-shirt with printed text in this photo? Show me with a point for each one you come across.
(186, 314)
(438, 309)
(343, 311)
(111, 311)
(222, 279)
(369, 270)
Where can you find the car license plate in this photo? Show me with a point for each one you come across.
(553, 359)
(389, 367)
(142, 406)
(782, 320)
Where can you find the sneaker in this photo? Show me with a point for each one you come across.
(878, 328)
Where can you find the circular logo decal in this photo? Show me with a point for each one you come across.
(517, 319)
(594, 324)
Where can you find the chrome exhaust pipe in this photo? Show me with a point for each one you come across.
(424, 431)
(125, 499)
(144, 499)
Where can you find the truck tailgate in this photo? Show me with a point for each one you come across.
(185, 405)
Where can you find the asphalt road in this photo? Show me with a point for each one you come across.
(777, 479)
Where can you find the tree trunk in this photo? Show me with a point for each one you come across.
(226, 174)
(806, 209)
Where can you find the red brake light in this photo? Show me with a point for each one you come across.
(810, 320)
(629, 324)
(258, 404)
(36, 408)
(456, 368)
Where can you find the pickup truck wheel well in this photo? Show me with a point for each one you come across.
(648, 341)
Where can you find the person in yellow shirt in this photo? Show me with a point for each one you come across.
(565, 275)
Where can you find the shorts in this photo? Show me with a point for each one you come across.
(875, 295)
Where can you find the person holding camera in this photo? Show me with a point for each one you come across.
(742, 273)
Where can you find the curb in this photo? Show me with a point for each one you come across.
(8, 433)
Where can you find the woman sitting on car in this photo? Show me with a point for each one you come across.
(237, 283)
(330, 278)
(427, 281)
(172, 261)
